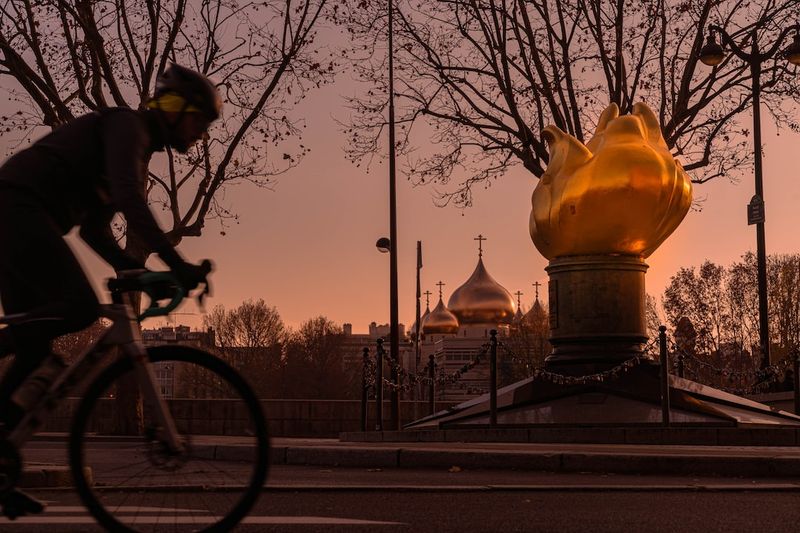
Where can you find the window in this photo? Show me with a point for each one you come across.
(164, 376)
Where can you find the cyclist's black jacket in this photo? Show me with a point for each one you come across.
(91, 168)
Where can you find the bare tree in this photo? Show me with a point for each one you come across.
(721, 304)
(61, 58)
(477, 80)
(251, 325)
(251, 337)
(653, 317)
(741, 297)
(784, 298)
(700, 297)
(527, 345)
(708, 327)
(314, 359)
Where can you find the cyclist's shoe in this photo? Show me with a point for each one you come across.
(16, 503)
(6, 344)
(10, 416)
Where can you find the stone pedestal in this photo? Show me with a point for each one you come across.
(597, 312)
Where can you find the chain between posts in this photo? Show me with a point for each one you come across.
(768, 375)
(409, 379)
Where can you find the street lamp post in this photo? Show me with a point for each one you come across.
(713, 54)
(385, 245)
(394, 320)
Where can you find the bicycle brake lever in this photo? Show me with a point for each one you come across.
(208, 267)
(202, 296)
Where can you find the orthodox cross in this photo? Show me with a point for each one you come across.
(519, 294)
(480, 239)
(440, 284)
(427, 298)
(537, 284)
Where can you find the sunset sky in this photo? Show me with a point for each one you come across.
(308, 247)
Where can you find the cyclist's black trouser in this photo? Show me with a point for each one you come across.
(39, 276)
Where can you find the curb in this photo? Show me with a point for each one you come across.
(700, 487)
(616, 463)
(655, 435)
(48, 476)
(773, 463)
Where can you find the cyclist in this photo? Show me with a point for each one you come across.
(82, 174)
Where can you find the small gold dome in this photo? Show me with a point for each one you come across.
(440, 321)
(421, 321)
(535, 313)
(481, 300)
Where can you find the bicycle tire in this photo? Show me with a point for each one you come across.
(184, 354)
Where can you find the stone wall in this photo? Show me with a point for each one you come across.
(286, 418)
(779, 400)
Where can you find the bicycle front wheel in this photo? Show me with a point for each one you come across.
(134, 483)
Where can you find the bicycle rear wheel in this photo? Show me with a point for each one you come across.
(132, 483)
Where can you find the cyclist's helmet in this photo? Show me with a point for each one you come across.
(194, 87)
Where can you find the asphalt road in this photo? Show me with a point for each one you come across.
(312, 499)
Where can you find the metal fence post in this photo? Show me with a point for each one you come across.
(796, 372)
(379, 386)
(493, 379)
(432, 384)
(662, 348)
(364, 389)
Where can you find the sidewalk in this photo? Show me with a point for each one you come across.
(756, 461)
(731, 461)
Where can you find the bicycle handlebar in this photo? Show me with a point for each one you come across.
(152, 285)
(157, 286)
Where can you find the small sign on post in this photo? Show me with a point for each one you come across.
(755, 210)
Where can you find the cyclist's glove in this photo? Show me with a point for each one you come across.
(189, 275)
(125, 262)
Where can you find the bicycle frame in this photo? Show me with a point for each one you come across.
(123, 333)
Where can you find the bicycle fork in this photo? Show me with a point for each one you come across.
(127, 335)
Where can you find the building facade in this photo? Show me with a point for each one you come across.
(171, 378)
(457, 335)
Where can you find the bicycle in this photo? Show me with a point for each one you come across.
(169, 459)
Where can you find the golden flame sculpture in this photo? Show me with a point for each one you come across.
(621, 193)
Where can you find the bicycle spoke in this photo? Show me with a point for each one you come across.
(127, 466)
(224, 494)
(137, 474)
(219, 486)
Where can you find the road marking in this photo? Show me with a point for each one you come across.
(155, 515)
(262, 520)
(51, 509)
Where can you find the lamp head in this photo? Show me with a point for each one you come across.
(792, 53)
(384, 245)
(712, 53)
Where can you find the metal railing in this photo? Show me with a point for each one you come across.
(430, 376)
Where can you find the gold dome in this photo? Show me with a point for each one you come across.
(413, 330)
(481, 300)
(535, 313)
(519, 315)
(440, 321)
